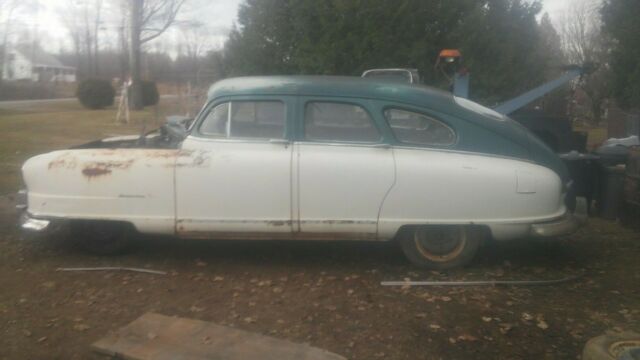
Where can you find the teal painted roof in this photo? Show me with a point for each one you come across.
(418, 95)
(339, 86)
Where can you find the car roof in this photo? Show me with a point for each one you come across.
(334, 86)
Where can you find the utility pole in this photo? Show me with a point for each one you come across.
(135, 92)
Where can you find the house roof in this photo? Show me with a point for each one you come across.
(37, 56)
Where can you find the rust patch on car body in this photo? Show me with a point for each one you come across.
(318, 236)
(66, 161)
(95, 172)
(193, 159)
(101, 168)
(279, 222)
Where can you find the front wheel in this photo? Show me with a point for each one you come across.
(440, 247)
(102, 237)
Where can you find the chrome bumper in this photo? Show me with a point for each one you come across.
(30, 224)
(565, 225)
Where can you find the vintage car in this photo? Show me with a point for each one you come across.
(312, 158)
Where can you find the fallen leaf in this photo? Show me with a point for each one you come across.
(505, 327)
(467, 337)
(542, 324)
(81, 327)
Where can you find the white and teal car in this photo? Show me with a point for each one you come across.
(313, 158)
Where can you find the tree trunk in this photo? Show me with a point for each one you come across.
(135, 91)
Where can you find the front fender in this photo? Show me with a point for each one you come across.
(133, 185)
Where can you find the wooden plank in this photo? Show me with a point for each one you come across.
(159, 337)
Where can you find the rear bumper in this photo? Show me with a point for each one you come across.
(31, 224)
(565, 225)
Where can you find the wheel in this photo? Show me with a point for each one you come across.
(613, 346)
(440, 247)
(102, 237)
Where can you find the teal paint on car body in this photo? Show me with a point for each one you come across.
(479, 129)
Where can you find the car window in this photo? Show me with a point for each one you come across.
(215, 123)
(415, 128)
(328, 121)
(246, 119)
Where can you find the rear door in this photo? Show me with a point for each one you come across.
(344, 169)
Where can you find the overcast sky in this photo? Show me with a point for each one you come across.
(219, 15)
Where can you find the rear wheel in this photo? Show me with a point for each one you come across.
(440, 247)
(102, 237)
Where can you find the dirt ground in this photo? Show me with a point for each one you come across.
(326, 294)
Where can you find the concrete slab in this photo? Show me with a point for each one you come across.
(159, 337)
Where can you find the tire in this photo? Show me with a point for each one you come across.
(102, 237)
(440, 247)
(613, 346)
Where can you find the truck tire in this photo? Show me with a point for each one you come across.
(613, 346)
(102, 237)
(440, 247)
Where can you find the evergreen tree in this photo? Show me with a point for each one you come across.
(620, 23)
(499, 39)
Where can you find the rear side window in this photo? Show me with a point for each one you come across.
(329, 121)
(246, 119)
(419, 129)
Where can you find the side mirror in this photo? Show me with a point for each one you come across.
(179, 120)
(177, 127)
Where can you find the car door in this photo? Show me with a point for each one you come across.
(343, 169)
(233, 178)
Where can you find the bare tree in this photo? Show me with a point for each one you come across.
(196, 41)
(583, 44)
(82, 19)
(148, 19)
(7, 10)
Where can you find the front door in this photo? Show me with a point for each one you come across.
(343, 170)
(233, 178)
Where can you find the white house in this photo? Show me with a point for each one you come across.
(27, 62)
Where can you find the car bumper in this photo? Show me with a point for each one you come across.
(31, 224)
(565, 225)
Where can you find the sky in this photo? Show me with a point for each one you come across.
(219, 16)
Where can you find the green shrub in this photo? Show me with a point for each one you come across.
(150, 95)
(95, 93)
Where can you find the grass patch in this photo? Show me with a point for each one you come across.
(38, 128)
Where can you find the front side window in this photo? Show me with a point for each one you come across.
(340, 122)
(246, 119)
(415, 128)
